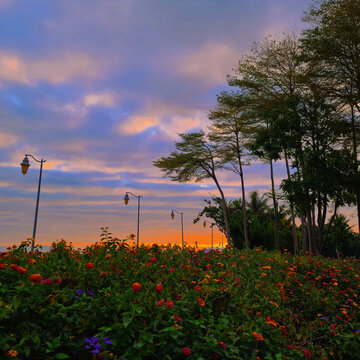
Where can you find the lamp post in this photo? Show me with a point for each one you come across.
(182, 224)
(126, 201)
(24, 168)
(212, 231)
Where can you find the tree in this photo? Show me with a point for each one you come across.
(269, 76)
(195, 158)
(333, 41)
(229, 129)
(260, 221)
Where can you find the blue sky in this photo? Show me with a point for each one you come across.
(100, 89)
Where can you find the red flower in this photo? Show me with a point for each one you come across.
(177, 318)
(257, 337)
(169, 304)
(222, 344)
(89, 265)
(136, 286)
(307, 353)
(201, 302)
(161, 302)
(158, 287)
(2, 266)
(153, 259)
(186, 351)
(197, 288)
(35, 278)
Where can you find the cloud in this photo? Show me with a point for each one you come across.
(136, 124)
(104, 100)
(62, 68)
(168, 119)
(210, 64)
(7, 139)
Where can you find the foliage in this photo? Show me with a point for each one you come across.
(162, 302)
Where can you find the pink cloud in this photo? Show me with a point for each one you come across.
(210, 63)
(59, 69)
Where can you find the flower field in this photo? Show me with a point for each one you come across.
(111, 301)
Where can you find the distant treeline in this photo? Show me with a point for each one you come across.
(294, 98)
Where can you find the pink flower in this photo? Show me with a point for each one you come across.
(48, 281)
(186, 351)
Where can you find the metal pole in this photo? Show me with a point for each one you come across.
(182, 231)
(138, 222)
(222, 242)
(37, 207)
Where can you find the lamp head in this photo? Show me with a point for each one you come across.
(25, 165)
(172, 215)
(204, 223)
(126, 199)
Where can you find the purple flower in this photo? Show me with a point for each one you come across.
(90, 293)
(106, 340)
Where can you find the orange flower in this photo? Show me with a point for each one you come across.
(271, 322)
(108, 256)
(136, 286)
(201, 302)
(12, 353)
(257, 337)
(36, 278)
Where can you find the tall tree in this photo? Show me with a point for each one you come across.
(229, 129)
(195, 158)
(333, 40)
(271, 75)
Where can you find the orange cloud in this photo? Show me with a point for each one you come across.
(169, 119)
(137, 124)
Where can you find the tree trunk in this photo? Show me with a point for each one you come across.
(225, 211)
(246, 233)
(310, 231)
(276, 217)
(295, 239)
(303, 231)
(329, 227)
(353, 129)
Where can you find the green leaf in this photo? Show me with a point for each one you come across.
(26, 351)
(61, 356)
(127, 320)
(16, 302)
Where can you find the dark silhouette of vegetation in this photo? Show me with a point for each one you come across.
(295, 99)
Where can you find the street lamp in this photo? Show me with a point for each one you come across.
(212, 231)
(182, 225)
(24, 168)
(126, 201)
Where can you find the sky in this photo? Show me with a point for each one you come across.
(100, 89)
